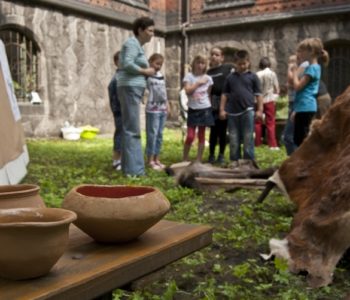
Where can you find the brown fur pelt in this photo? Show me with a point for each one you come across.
(316, 178)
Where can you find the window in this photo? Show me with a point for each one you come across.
(222, 4)
(136, 3)
(337, 74)
(22, 54)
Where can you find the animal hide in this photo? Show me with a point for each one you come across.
(196, 175)
(316, 178)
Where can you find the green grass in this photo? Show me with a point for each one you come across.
(230, 268)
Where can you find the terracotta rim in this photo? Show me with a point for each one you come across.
(13, 191)
(67, 216)
(109, 191)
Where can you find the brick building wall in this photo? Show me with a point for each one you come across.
(269, 28)
(77, 39)
(206, 11)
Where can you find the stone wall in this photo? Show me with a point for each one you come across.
(76, 49)
(275, 40)
(75, 65)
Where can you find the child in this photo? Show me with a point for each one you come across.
(117, 116)
(270, 88)
(306, 87)
(241, 89)
(218, 72)
(282, 103)
(197, 85)
(324, 99)
(288, 132)
(156, 112)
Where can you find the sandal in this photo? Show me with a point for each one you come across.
(153, 165)
(160, 164)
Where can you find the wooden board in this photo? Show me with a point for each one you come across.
(232, 181)
(232, 184)
(88, 269)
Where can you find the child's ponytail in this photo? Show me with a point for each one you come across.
(323, 59)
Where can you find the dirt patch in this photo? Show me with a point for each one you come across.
(231, 268)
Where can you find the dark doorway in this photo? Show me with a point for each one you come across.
(229, 53)
(337, 74)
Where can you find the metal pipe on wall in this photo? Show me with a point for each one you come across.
(185, 18)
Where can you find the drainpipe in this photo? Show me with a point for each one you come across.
(185, 17)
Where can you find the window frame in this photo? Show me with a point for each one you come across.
(23, 54)
(224, 4)
(143, 4)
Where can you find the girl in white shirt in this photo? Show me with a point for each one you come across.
(197, 85)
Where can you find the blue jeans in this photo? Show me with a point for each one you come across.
(155, 123)
(117, 138)
(241, 131)
(288, 133)
(132, 155)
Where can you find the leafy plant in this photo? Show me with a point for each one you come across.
(230, 267)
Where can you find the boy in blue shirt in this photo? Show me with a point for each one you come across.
(241, 90)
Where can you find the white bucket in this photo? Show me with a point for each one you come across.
(71, 133)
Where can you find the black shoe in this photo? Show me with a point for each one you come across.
(211, 159)
(221, 159)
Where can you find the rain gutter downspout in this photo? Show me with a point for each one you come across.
(185, 17)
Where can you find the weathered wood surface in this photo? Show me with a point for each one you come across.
(207, 177)
(211, 184)
(231, 181)
(88, 269)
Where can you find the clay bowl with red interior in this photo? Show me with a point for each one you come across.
(114, 214)
(32, 240)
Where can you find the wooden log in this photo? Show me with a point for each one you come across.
(231, 181)
(227, 173)
(186, 173)
(228, 185)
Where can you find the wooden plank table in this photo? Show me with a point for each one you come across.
(88, 270)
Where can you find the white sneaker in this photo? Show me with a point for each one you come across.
(116, 162)
(274, 148)
(117, 165)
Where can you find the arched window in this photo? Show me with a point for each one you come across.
(337, 74)
(22, 53)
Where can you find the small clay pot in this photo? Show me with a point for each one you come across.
(20, 195)
(112, 214)
(32, 240)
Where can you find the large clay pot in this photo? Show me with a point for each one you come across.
(32, 240)
(112, 214)
(20, 195)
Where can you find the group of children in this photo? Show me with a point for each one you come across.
(247, 97)
(231, 98)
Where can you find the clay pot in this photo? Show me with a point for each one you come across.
(20, 195)
(112, 214)
(32, 240)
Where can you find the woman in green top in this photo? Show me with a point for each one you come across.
(131, 79)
